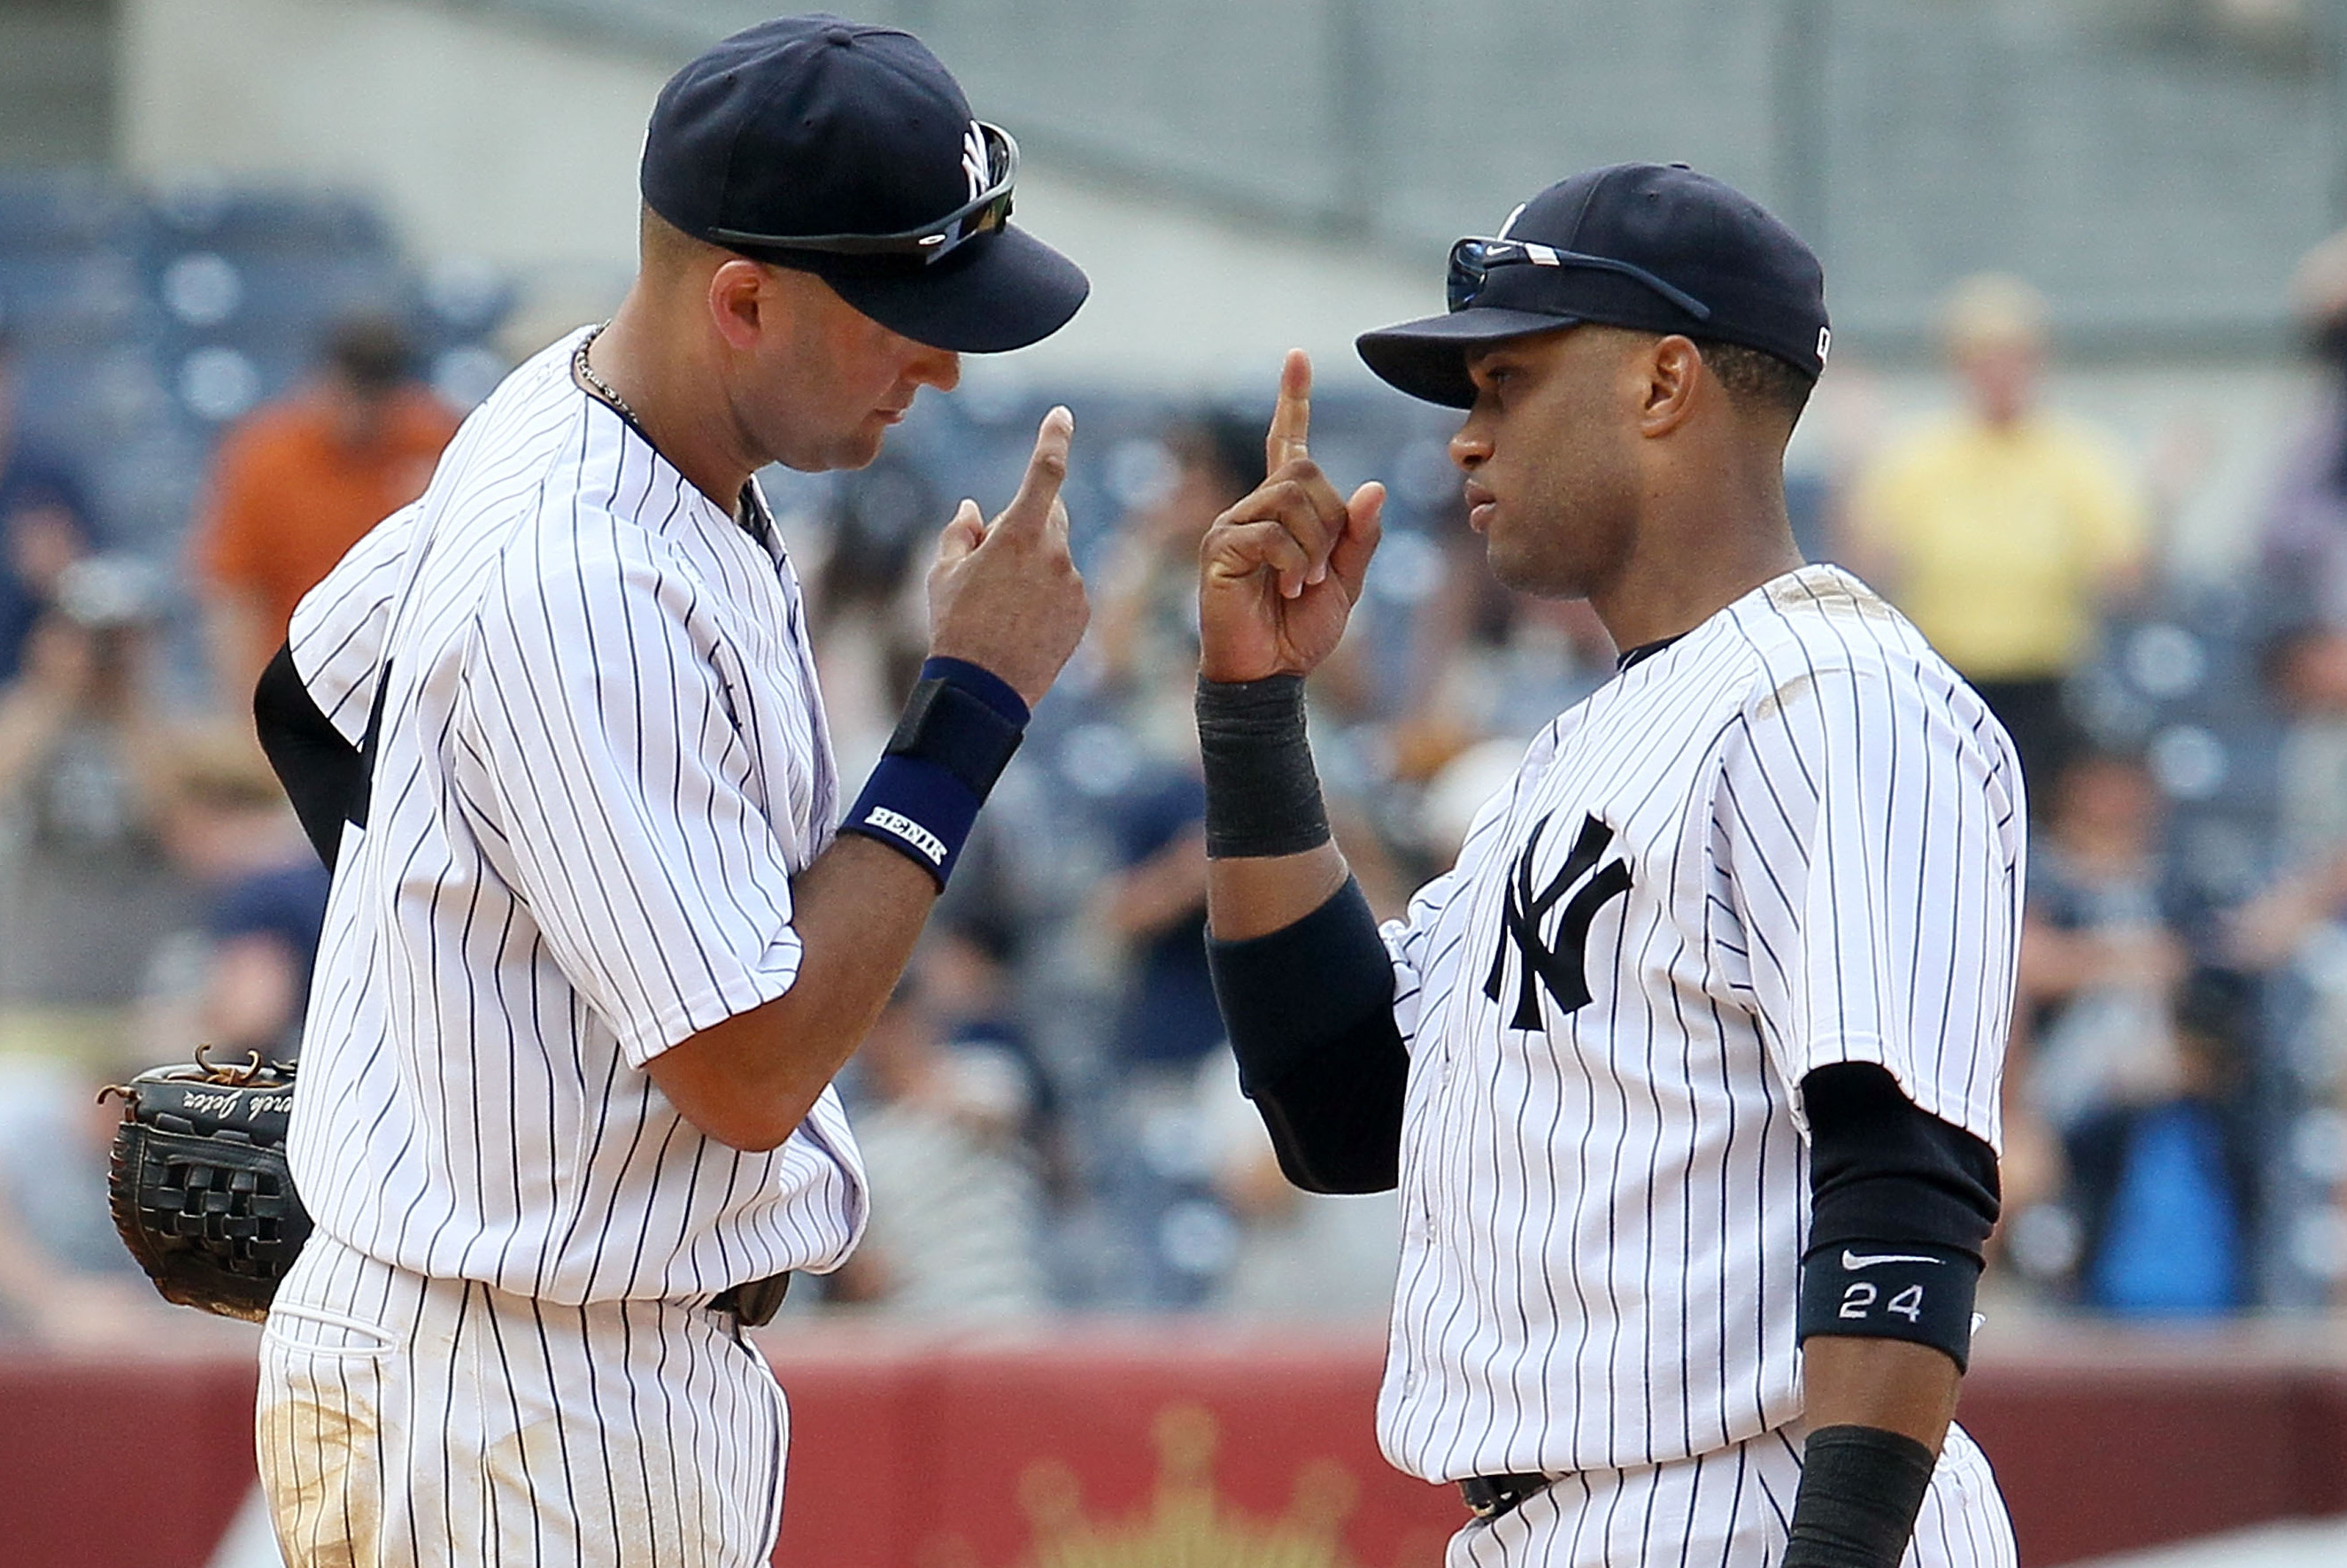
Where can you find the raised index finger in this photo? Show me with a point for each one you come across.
(1031, 508)
(1291, 416)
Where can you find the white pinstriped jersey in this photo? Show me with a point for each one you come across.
(602, 757)
(1792, 837)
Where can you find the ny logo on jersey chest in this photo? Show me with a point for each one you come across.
(1557, 962)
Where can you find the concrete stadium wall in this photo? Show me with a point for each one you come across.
(57, 97)
(483, 139)
(499, 138)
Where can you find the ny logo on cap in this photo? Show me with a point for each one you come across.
(973, 159)
(1560, 964)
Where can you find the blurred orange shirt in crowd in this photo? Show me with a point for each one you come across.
(290, 495)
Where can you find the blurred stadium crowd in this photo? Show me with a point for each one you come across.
(206, 394)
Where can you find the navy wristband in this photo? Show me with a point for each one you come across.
(979, 682)
(960, 728)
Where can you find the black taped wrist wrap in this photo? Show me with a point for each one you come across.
(1263, 797)
(1892, 1290)
(1860, 1487)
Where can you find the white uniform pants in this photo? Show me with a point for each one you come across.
(405, 1421)
(1728, 1509)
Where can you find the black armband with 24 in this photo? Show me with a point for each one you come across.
(1892, 1290)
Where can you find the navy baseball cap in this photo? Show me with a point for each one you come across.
(1655, 247)
(848, 151)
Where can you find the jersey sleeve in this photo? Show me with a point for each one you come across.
(338, 629)
(1868, 828)
(597, 754)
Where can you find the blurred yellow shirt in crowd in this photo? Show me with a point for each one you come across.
(1998, 543)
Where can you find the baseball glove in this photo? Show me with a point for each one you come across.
(199, 1185)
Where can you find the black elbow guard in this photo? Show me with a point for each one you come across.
(1309, 1011)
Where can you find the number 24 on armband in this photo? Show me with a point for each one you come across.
(1857, 1301)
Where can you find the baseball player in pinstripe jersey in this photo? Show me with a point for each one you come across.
(1688, 1070)
(594, 953)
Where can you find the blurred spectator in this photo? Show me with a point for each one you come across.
(65, 1278)
(2306, 667)
(2101, 952)
(2294, 934)
(2162, 1185)
(2309, 670)
(1143, 642)
(1491, 663)
(1145, 639)
(2304, 543)
(2130, 1059)
(2002, 530)
(262, 889)
(867, 611)
(1157, 902)
(1298, 1254)
(1145, 617)
(299, 481)
(45, 523)
(966, 959)
(85, 890)
(956, 1202)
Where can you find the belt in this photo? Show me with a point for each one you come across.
(1490, 1496)
(754, 1301)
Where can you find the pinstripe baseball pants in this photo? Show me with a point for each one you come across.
(405, 1421)
(1727, 1508)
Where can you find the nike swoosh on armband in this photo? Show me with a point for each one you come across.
(1853, 1262)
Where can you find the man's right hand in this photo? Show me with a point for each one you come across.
(1005, 595)
(1279, 574)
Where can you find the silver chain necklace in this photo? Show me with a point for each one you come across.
(743, 513)
(601, 388)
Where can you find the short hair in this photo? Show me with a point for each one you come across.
(1993, 310)
(1755, 378)
(373, 351)
(1226, 441)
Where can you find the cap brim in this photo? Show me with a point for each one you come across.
(1428, 359)
(1013, 290)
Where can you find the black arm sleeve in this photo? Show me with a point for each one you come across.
(1309, 1009)
(1882, 1170)
(325, 775)
(1901, 1205)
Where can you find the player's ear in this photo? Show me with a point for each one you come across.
(741, 300)
(1672, 370)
